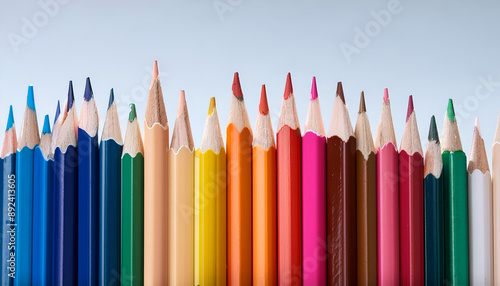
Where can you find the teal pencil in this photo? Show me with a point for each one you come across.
(8, 191)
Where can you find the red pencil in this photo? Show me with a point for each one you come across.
(387, 198)
(411, 202)
(289, 191)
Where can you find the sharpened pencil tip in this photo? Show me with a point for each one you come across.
(10, 120)
(71, 96)
(237, 87)
(410, 107)
(288, 87)
(314, 89)
(433, 132)
(155, 72)
(476, 125)
(450, 111)
(111, 98)
(263, 105)
(182, 103)
(132, 114)
(340, 91)
(58, 111)
(386, 96)
(211, 107)
(46, 125)
(31, 98)
(88, 90)
(362, 104)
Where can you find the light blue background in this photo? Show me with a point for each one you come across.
(431, 49)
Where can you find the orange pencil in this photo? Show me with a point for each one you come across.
(289, 142)
(239, 190)
(155, 186)
(264, 198)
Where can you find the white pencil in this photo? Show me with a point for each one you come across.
(479, 200)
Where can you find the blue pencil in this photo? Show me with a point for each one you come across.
(43, 209)
(7, 209)
(28, 140)
(110, 197)
(88, 191)
(65, 197)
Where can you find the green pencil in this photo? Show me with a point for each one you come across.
(132, 213)
(456, 244)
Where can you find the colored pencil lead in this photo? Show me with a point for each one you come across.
(314, 90)
(386, 96)
(237, 87)
(362, 104)
(433, 133)
(288, 87)
(450, 111)
(211, 107)
(155, 73)
(58, 112)
(10, 121)
(88, 90)
(410, 107)
(71, 96)
(340, 91)
(111, 98)
(46, 125)
(31, 98)
(132, 114)
(263, 105)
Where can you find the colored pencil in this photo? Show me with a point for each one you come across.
(264, 198)
(341, 196)
(155, 186)
(8, 187)
(181, 200)
(495, 179)
(55, 127)
(314, 195)
(28, 140)
(239, 190)
(456, 251)
(387, 198)
(366, 197)
(110, 153)
(480, 222)
(289, 191)
(411, 202)
(88, 190)
(132, 204)
(43, 208)
(65, 196)
(433, 209)
(212, 206)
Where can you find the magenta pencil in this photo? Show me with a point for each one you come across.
(387, 198)
(314, 195)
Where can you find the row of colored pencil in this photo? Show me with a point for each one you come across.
(318, 208)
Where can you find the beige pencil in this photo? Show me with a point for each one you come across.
(181, 200)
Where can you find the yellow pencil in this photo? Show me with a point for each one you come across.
(181, 200)
(155, 186)
(212, 203)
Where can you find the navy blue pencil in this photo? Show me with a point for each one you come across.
(28, 140)
(43, 208)
(88, 190)
(65, 196)
(7, 209)
(110, 197)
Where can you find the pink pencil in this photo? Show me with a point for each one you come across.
(314, 195)
(387, 198)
